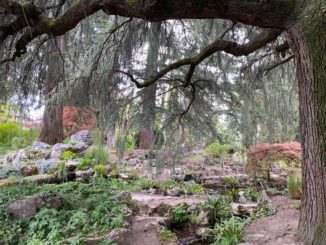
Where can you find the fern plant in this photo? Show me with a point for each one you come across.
(230, 232)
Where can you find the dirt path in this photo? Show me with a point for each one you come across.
(278, 229)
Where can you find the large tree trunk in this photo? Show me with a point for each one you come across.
(149, 93)
(308, 42)
(52, 123)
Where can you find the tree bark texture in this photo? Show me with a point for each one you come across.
(52, 123)
(308, 42)
(149, 93)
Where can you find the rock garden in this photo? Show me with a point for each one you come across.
(78, 192)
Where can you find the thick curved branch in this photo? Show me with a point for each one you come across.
(229, 47)
(262, 13)
(266, 14)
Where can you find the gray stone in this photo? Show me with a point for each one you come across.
(243, 209)
(29, 170)
(242, 198)
(123, 176)
(21, 155)
(59, 148)
(83, 136)
(84, 175)
(39, 179)
(79, 147)
(71, 165)
(121, 236)
(7, 159)
(30, 206)
(38, 145)
(46, 165)
(39, 150)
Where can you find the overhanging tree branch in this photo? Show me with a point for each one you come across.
(229, 47)
(266, 14)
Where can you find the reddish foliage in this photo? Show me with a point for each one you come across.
(263, 155)
(78, 118)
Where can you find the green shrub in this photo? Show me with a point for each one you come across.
(168, 184)
(234, 194)
(294, 185)
(98, 154)
(88, 209)
(146, 184)
(99, 170)
(219, 150)
(231, 182)
(219, 208)
(8, 131)
(193, 189)
(180, 215)
(85, 163)
(168, 236)
(251, 194)
(68, 155)
(230, 232)
(62, 171)
(12, 135)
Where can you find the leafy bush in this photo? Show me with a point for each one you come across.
(11, 135)
(230, 232)
(62, 171)
(294, 185)
(68, 155)
(219, 208)
(98, 154)
(193, 189)
(146, 184)
(231, 182)
(180, 216)
(168, 236)
(88, 209)
(99, 170)
(168, 184)
(8, 131)
(85, 163)
(251, 194)
(219, 150)
(234, 194)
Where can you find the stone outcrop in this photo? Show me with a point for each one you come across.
(30, 206)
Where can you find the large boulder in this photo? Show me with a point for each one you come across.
(178, 174)
(84, 175)
(30, 206)
(20, 156)
(39, 150)
(83, 136)
(59, 148)
(244, 210)
(7, 159)
(38, 145)
(45, 165)
(29, 170)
